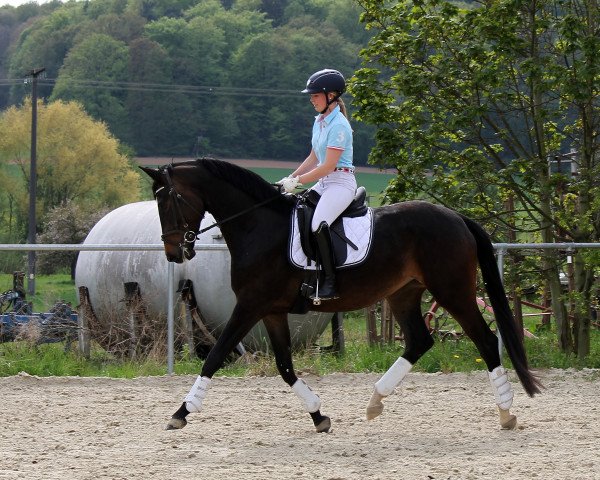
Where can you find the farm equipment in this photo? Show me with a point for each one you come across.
(18, 322)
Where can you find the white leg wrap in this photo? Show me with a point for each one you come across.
(501, 387)
(193, 400)
(311, 400)
(392, 378)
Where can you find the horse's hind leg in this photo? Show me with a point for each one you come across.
(279, 334)
(406, 307)
(466, 312)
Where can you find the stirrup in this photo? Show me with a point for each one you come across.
(317, 299)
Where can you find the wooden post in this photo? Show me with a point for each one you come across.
(337, 333)
(547, 304)
(202, 334)
(83, 322)
(518, 312)
(370, 313)
(188, 320)
(387, 323)
(133, 300)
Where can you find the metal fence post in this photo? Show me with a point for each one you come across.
(170, 318)
(501, 253)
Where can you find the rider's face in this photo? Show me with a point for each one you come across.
(319, 101)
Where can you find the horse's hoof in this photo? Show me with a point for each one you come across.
(374, 411)
(507, 421)
(375, 407)
(324, 425)
(176, 424)
(510, 423)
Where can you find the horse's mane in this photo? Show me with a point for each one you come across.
(245, 180)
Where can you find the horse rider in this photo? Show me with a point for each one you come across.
(329, 164)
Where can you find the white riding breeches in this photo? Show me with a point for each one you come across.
(337, 191)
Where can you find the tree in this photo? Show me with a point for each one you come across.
(44, 43)
(155, 9)
(238, 24)
(341, 14)
(195, 49)
(66, 223)
(159, 118)
(102, 60)
(125, 27)
(281, 61)
(472, 102)
(78, 161)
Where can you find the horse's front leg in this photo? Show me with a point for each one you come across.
(279, 334)
(239, 324)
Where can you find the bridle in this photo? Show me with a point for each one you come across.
(190, 235)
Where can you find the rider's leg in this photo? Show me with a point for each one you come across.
(337, 191)
(327, 261)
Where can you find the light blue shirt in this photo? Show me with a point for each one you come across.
(333, 131)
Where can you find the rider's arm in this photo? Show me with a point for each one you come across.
(331, 160)
(307, 165)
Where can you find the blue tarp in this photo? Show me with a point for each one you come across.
(53, 327)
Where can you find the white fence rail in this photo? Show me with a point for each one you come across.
(501, 250)
(40, 247)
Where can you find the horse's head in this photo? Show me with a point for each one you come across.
(180, 210)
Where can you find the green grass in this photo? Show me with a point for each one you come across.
(446, 356)
(49, 289)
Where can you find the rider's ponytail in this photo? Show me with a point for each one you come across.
(342, 107)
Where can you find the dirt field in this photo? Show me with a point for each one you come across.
(436, 427)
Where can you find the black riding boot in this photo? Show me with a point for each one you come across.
(327, 286)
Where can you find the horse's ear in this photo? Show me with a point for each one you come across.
(152, 172)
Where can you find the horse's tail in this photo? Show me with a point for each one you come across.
(504, 317)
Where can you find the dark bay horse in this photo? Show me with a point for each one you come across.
(417, 246)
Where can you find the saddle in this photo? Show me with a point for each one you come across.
(351, 236)
(305, 209)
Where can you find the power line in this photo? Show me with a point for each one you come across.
(162, 88)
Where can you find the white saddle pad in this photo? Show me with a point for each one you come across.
(359, 231)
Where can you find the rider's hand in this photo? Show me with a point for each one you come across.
(290, 183)
(280, 182)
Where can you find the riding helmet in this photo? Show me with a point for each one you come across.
(327, 80)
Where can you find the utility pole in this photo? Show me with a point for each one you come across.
(32, 180)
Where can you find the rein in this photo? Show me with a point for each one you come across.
(239, 214)
(190, 236)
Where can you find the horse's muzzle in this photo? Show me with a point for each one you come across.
(174, 254)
